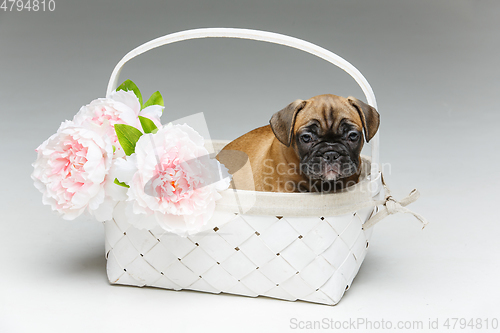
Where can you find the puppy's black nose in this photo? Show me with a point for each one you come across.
(331, 156)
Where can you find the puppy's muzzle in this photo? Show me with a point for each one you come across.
(330, 162)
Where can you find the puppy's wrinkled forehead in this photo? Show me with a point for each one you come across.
(327, 111)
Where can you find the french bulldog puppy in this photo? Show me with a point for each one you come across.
(311, 145)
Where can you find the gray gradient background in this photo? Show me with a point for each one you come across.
(432, 64)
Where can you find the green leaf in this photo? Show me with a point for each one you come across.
(147, 124)
(117, 182)
(128, 85)
(128, 137)
(155, 99)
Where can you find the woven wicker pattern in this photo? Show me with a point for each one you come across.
(307, 258)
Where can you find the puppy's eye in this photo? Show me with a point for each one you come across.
(353, 136)
(306, 138)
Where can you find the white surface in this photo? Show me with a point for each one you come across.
(434, 69)
(314, 259)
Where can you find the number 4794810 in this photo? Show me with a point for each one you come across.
(28, 5)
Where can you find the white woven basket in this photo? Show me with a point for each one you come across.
(290, 246)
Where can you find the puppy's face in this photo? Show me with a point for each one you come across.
(326, 133)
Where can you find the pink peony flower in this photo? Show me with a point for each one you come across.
(71, 169)
(122, 107)
(172, 180)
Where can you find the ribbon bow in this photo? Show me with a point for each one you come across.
(392, 206)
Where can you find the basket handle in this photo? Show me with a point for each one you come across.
(264, 37)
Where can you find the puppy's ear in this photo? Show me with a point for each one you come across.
(369, 117)
(282, 122)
